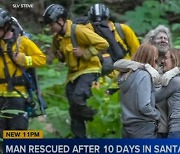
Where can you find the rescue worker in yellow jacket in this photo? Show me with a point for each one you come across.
(83, 65)
(13, 56)
(129, 44)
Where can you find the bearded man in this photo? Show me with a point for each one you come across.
(161, 38)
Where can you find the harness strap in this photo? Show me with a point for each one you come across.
(16, 81)
(10, 42)
(8, 79)
(6, 72)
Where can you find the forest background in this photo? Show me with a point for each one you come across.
(140, 15)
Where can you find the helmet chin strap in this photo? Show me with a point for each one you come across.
(61, 32)
(5, 30)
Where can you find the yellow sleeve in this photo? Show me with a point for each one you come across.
(34, 56)
(131, 39)
(90, 40)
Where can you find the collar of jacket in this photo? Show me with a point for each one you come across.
(3, 45)
(112, 28)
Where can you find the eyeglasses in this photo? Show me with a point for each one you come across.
(166, 58)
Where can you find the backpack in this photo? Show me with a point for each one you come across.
(85, 20)
(115, 52)
(34, 102)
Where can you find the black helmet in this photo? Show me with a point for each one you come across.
(98, 12)
(4, 17)
(53, 12)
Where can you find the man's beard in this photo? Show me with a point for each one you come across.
(162, 49)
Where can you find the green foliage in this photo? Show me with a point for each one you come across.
(153, 13)
(52, 80)
(106, 123)
(176, 37)
(36, 124)
(81, 7)
(150, 14)
(56, 124)
(51, 75)
(60, 120)
(43, 39)
(146, 16)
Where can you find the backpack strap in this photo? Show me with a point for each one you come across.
(74, 40)
(10, 42)
(26, 75)
(15, 39)
(73, 36)
(32, 82)
(119, 30)
(8, 78)
(121, 34)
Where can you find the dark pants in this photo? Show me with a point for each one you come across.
(175, 134)
(77, 93)
(16, 122)
(162, 135)
(140, 130)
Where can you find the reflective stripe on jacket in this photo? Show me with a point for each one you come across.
(34, 58)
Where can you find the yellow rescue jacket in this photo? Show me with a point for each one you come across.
(131, 43)
(34, 58)
(89, 42)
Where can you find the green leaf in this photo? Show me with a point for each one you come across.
(60, 120)
(107, 121)
(176, 26)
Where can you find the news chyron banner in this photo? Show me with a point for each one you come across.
(22, 134)
(32, 142)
